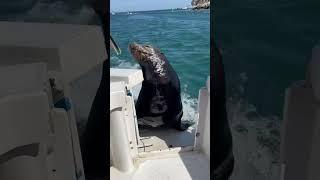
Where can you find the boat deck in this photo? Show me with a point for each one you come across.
(161, 139)
(187, 166)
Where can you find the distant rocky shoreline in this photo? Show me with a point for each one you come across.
(200, 4)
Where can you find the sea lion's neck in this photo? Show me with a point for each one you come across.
(148, 73)
(158, 62)
(155, 69)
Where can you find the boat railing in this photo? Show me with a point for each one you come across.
(300, 147)
(202, 138)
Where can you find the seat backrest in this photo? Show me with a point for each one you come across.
(22, 78)
(300, 134)
(314, 79)
(313, 72)
(297, 126)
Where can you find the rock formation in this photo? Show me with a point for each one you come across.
(200, 4)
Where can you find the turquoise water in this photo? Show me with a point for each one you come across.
(182, 35)
(269, 42)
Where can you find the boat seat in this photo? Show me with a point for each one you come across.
(120, 143)
(68, 51)
(35, 137)
(122, 83)
(23, 136)
(24, 78)
(131, 77)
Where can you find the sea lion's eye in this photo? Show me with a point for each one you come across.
(145, 51)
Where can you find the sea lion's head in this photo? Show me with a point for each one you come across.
(150, 59)
(143, 53)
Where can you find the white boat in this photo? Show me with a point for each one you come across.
(40, 142)
(167, 154)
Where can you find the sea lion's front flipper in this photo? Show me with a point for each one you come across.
(182, 125)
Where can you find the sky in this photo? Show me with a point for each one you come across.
(144, 5)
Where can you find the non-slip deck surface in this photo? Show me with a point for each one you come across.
(186, 166)
(161, 139)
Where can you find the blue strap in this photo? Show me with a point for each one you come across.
(63, 103)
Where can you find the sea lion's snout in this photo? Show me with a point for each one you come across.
(133, 49)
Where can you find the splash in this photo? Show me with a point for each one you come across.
(256, 138)
(189, 107)
(123, 64)
(189, 104)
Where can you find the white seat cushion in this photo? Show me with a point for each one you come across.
(24, 120)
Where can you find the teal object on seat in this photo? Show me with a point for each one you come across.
(63, 103)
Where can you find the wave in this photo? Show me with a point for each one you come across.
(189, 107)
(142, 17)
(256, 141)
(256, 138)
(122, 63)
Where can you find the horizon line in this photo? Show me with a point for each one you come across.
(147, 10)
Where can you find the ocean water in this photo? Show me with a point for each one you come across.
(182, 35)
(266, 46)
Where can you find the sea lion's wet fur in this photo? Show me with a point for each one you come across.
(160, 92)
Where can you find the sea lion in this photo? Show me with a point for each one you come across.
(159, 101)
